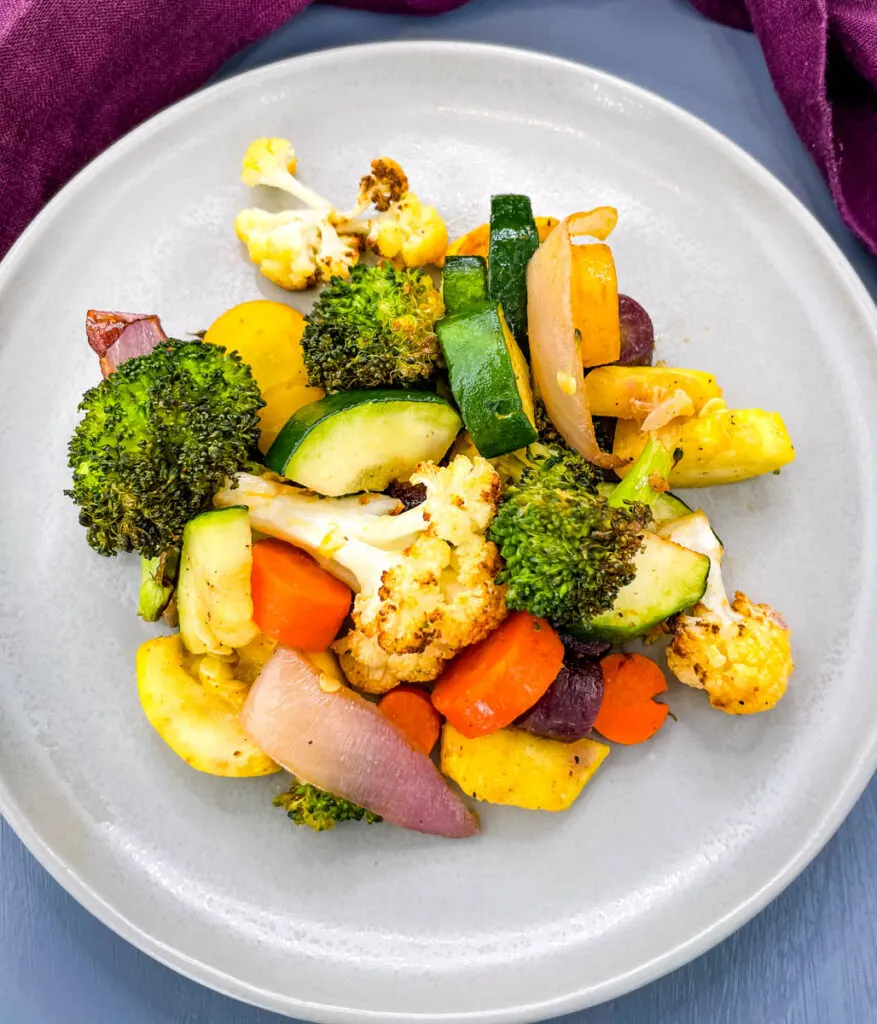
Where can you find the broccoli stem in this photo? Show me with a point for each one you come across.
(157, 576)
(653, 461)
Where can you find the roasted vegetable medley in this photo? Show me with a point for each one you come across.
(405, 541)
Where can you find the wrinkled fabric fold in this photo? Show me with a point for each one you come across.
(77, 74)
(822, 57)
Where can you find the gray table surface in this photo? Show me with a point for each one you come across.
(810, 957)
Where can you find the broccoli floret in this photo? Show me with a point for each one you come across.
(373, 329)
(158, 439)
(513, 464)
(567, 550)
(307, 805)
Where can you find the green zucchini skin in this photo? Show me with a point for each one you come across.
(214, 600)
(496, 408)
(669, 578)
(513, 240)
(363, 440)
(464, 283)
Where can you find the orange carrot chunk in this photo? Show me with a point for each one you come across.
(628, 714)
(294, 600)
(411, 709)
(493, 682)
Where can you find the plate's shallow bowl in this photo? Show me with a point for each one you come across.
(676, 842)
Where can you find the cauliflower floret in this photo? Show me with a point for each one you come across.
(461, 497)
(386, 185)
(739, 653)
(434, 601)
(273, 162)
(409, 233)
(742, 658)
(441, 594)
(426, 578)
(405, 231)
(296, 248)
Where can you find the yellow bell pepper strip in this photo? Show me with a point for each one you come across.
(545, 225)
(651, 395)
(721, 446)
(595, 303)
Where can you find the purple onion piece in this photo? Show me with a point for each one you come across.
(568, 708)
(117, 337)
(637, 334)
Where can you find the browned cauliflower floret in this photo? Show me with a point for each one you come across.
(409, 233)
(436, 600)
(293, 248)
(426, 578)
(405, 231)
(296, 248)
(299, 248)
(440, 594)
(739, 653)
(386, 184)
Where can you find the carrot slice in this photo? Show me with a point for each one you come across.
(628, 714)
(411, 709)
(294, 600)
(595, 303)
(493, 682)
(474, 243)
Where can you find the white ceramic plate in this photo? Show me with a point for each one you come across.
(676, 842)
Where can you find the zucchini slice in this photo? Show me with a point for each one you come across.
(464, 283)
(668, 579)
(214, 595)
(363, 440)
(513, 240)
(490, 379)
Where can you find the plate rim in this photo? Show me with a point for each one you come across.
(683, 952)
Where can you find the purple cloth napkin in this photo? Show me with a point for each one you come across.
(822, 56)
(77, 74)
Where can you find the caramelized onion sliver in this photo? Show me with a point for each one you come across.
(554, 349)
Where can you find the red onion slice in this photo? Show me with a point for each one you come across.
(326, 734)
(116, 336)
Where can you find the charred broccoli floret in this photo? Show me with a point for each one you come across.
(307, 805)
(158, 439)
(567, 550)
(373, 329)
